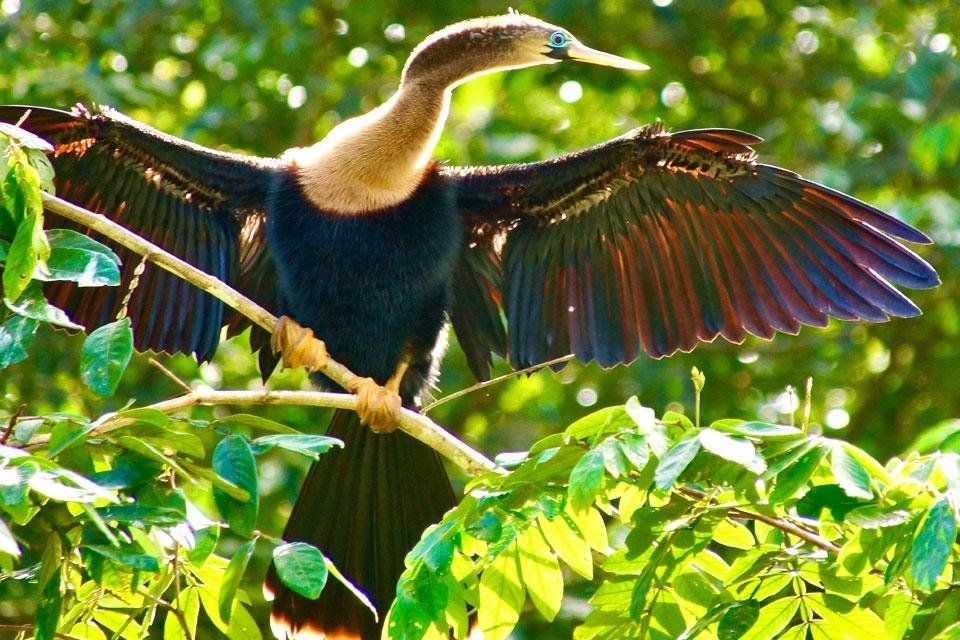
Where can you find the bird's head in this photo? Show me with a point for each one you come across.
(512, 41)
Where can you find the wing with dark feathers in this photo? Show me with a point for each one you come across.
(656, 241)
(201, 205)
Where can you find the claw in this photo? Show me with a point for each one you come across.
(298, 346)
(379, 405)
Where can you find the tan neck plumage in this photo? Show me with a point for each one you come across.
(378, 159)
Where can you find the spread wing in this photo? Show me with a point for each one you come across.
(656, 241)
(203, 206)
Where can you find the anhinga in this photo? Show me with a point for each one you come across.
(652, 241)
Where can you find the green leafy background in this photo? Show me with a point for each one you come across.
(862, 96)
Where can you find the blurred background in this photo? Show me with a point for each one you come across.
(861, 96)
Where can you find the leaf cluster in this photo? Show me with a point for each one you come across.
(736, 529)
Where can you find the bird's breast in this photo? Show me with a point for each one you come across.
(365, 282)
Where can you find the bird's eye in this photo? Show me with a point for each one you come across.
(558, 39)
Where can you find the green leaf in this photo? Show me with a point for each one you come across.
(796, 476)
(736, 620)
(634, 447)
(850, 474)
(131, 557)
(586, 479)
(47, 618)
(105, 355)
(606, 420)
(143, 515)
(675, 461)
(233, 461)
(205, 541)
(845, 619)
(568, 542)
(540, 572)
(16, 334)
(733, 448)
(254, 422)
(301, 567)
(932, 544)
(81, 259)
(189, 607)
(487, 528)
(232, 577)
(67, 434)
(763, 430)
(873, 517)
(28, 250)
(242, 625)
(614, 459)
(773, 618)
(8, 544)
(146, 414)
(311, 446)
(938, 611)
(731, 533)
(501, 596)
(899, 614)
(33, 305)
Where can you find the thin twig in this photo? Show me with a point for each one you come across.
(11, 424)
(170, 374)
(486, 383)
(786, 526)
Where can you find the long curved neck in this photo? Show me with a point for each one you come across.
(378, 159)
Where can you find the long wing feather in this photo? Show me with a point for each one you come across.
(200, 204)
(656, 241)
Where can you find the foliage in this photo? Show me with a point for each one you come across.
(680, 531)
(660, 513)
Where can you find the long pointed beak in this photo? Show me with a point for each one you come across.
(582, 53)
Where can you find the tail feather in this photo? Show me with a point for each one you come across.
(365, 507)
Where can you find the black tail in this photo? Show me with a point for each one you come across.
(365, 507)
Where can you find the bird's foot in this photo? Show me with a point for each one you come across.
(379, 405)
(298, 346)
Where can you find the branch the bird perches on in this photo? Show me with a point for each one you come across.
(417, 425)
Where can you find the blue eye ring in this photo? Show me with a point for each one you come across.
(558, 39)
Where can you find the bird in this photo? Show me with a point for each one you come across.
(649, 243)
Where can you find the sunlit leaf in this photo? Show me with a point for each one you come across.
(850, 474)
(772, 619)
(569, 543)
(540, 572)
(932, 544)
(232, 577)
(676, 460)
(586, 479)
(189, 607)
(794, 477)
(501, 596)
(733, 448)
